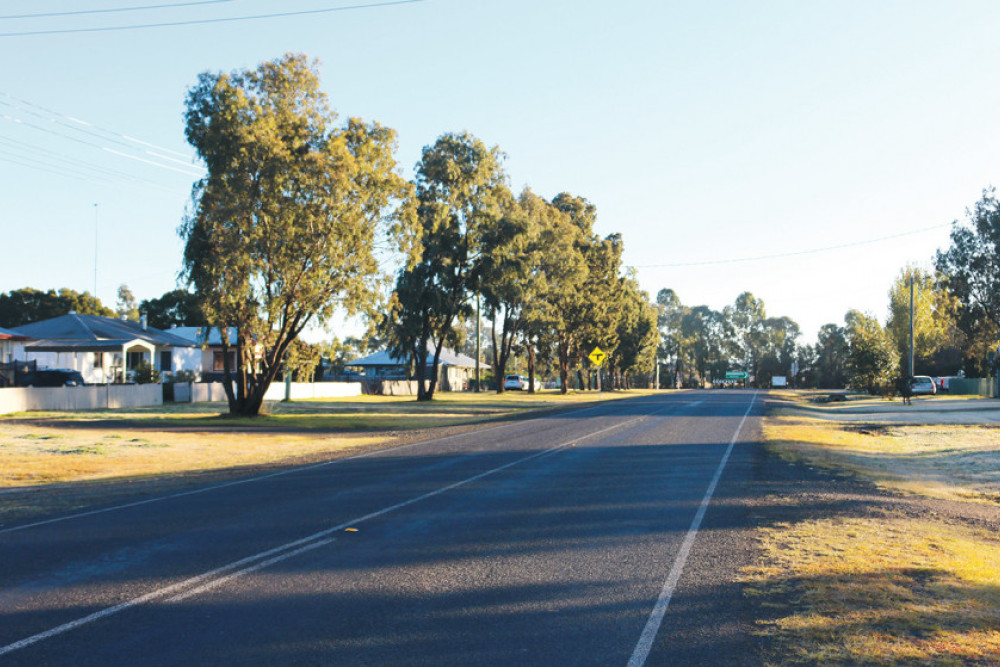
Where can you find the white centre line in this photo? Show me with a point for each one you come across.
(218, 576)
(648, 636)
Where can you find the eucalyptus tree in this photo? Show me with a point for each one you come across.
(292, 217)
(506, 280)
(780, 336)
(670, 312)
(557, 281)
(638, 335)
(461, 191)
(872, 359)
(27, 305)
(831, 356)
(747, 317)
(934, 317)
(970, 271)
(175, 308)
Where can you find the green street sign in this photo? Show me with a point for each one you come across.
(736, 375)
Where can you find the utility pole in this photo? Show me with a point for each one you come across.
(911, 323)
(479, 339)
(96, 221)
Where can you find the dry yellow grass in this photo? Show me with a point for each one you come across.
(887, 591)
(884, 590)
(950, 462)
(61, 461)
(33, 455)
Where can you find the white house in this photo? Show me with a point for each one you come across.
(103, 349)
(11, 346)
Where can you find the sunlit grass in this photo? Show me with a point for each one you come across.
(942, 461)
(84, 457)
(879, 591)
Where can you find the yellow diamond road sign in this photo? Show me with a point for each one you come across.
(597, 356)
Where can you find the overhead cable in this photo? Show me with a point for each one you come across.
(791, 253)
(230, 19)
(115, 10)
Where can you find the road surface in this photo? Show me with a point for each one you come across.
(610, 535)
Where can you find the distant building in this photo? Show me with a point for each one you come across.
(454, 369)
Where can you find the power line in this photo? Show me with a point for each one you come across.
(304, 12)
(75, 123)
(791, 253)
(82, 132)
(80, 12)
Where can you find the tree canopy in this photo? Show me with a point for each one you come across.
(27, 305)
(461, 194)
(289, 222)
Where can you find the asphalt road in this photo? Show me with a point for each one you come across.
(604, 536)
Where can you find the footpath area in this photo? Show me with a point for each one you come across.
(878, 532)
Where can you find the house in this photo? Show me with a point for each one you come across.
(11, 345)
(454, 369)
(103, 349)
(11, 352)
(207, 352)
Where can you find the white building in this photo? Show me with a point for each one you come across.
(105, 349)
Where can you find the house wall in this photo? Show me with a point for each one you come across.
(11, 350)
(84, 362)
(22, 399)
(188, 359)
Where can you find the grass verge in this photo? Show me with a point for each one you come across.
(66, 461)
(879, 591)
(885, 587)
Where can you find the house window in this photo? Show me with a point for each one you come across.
(98, 360)
(217, 362)
(135, 358)
(166, 361)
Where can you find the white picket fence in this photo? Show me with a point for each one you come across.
(91, 397)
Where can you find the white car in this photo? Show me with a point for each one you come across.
(922, 384)
(518, 382)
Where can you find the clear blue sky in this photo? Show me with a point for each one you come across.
(702, 131)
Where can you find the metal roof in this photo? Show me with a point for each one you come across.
(384, 358)
(76, 327)
(7, 334)
(197, 335)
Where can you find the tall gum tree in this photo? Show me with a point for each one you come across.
(970, 270)
(461, 190)
(293, 217)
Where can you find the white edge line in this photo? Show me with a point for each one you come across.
(287, 471)
(648, 636)
(297, 546)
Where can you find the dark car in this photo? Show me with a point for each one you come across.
(60, 377)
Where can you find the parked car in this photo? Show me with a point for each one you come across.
(943, 384)
(515, 382)
(518, 382)
(922, 384)
(58, 377)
